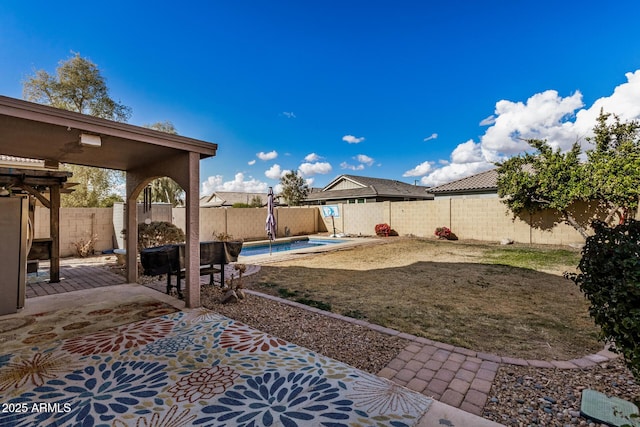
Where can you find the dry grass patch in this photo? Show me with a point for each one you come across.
(459, 293)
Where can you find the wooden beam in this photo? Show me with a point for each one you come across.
(17, 180)
(54, 227)
(38, 195)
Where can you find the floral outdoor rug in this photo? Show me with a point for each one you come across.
(38, 329)
(193, 368)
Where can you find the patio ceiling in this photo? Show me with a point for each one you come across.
(41, 132)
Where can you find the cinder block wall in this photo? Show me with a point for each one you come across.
(415, 218)
(358, 219)
(78, 224)
(479, 218)
(469, 218)
(249, 223)
(295, 220)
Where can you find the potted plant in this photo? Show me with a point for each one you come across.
(228, 246)
(383, 230)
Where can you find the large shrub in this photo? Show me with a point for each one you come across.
(158, 233)
(610, 279)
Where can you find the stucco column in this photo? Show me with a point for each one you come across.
(192, 247)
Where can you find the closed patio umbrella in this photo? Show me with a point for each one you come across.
(270, 226)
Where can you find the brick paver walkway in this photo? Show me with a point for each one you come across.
(460, 377)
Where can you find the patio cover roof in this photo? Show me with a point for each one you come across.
(41, 132)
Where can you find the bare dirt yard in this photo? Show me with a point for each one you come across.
(505, 300)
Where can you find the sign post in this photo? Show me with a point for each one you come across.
(332, 211)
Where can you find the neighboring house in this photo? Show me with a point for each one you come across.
(484, 184)
(362, 189)
(222, 199)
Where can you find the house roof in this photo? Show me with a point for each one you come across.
(352, 186)
(481, 182)
(228, 198)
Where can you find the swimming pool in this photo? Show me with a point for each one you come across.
(292, 245)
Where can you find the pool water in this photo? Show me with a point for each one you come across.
(286, 246)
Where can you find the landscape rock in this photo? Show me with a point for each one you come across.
(229, 297)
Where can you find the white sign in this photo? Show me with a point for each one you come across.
(330, 210)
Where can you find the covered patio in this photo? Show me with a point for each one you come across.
(56, 136)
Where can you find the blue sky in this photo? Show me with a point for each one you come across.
(417, 91)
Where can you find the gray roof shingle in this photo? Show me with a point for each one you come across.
(371, 187)
(484, 181)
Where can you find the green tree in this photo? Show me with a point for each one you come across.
(613, 167)
(95, 188)
(551, 179)
(165, 189)
(547, 179)
(294, 189)
(166, 127)
(256, 202)
(79, 86)
(610, 279)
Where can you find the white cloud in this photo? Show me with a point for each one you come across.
(217, 183)
(310, 169)
(251, 162)
(364, 159)
(352, 139)
(312, 157)
(454, 171)
(488, 121)
(432, 136)
(420, 170)
(274, 172)
(467, 152)
(546, 115)
(289, 114)
(267, 156)
(309, 182)
(624, 102)
(345, 165)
